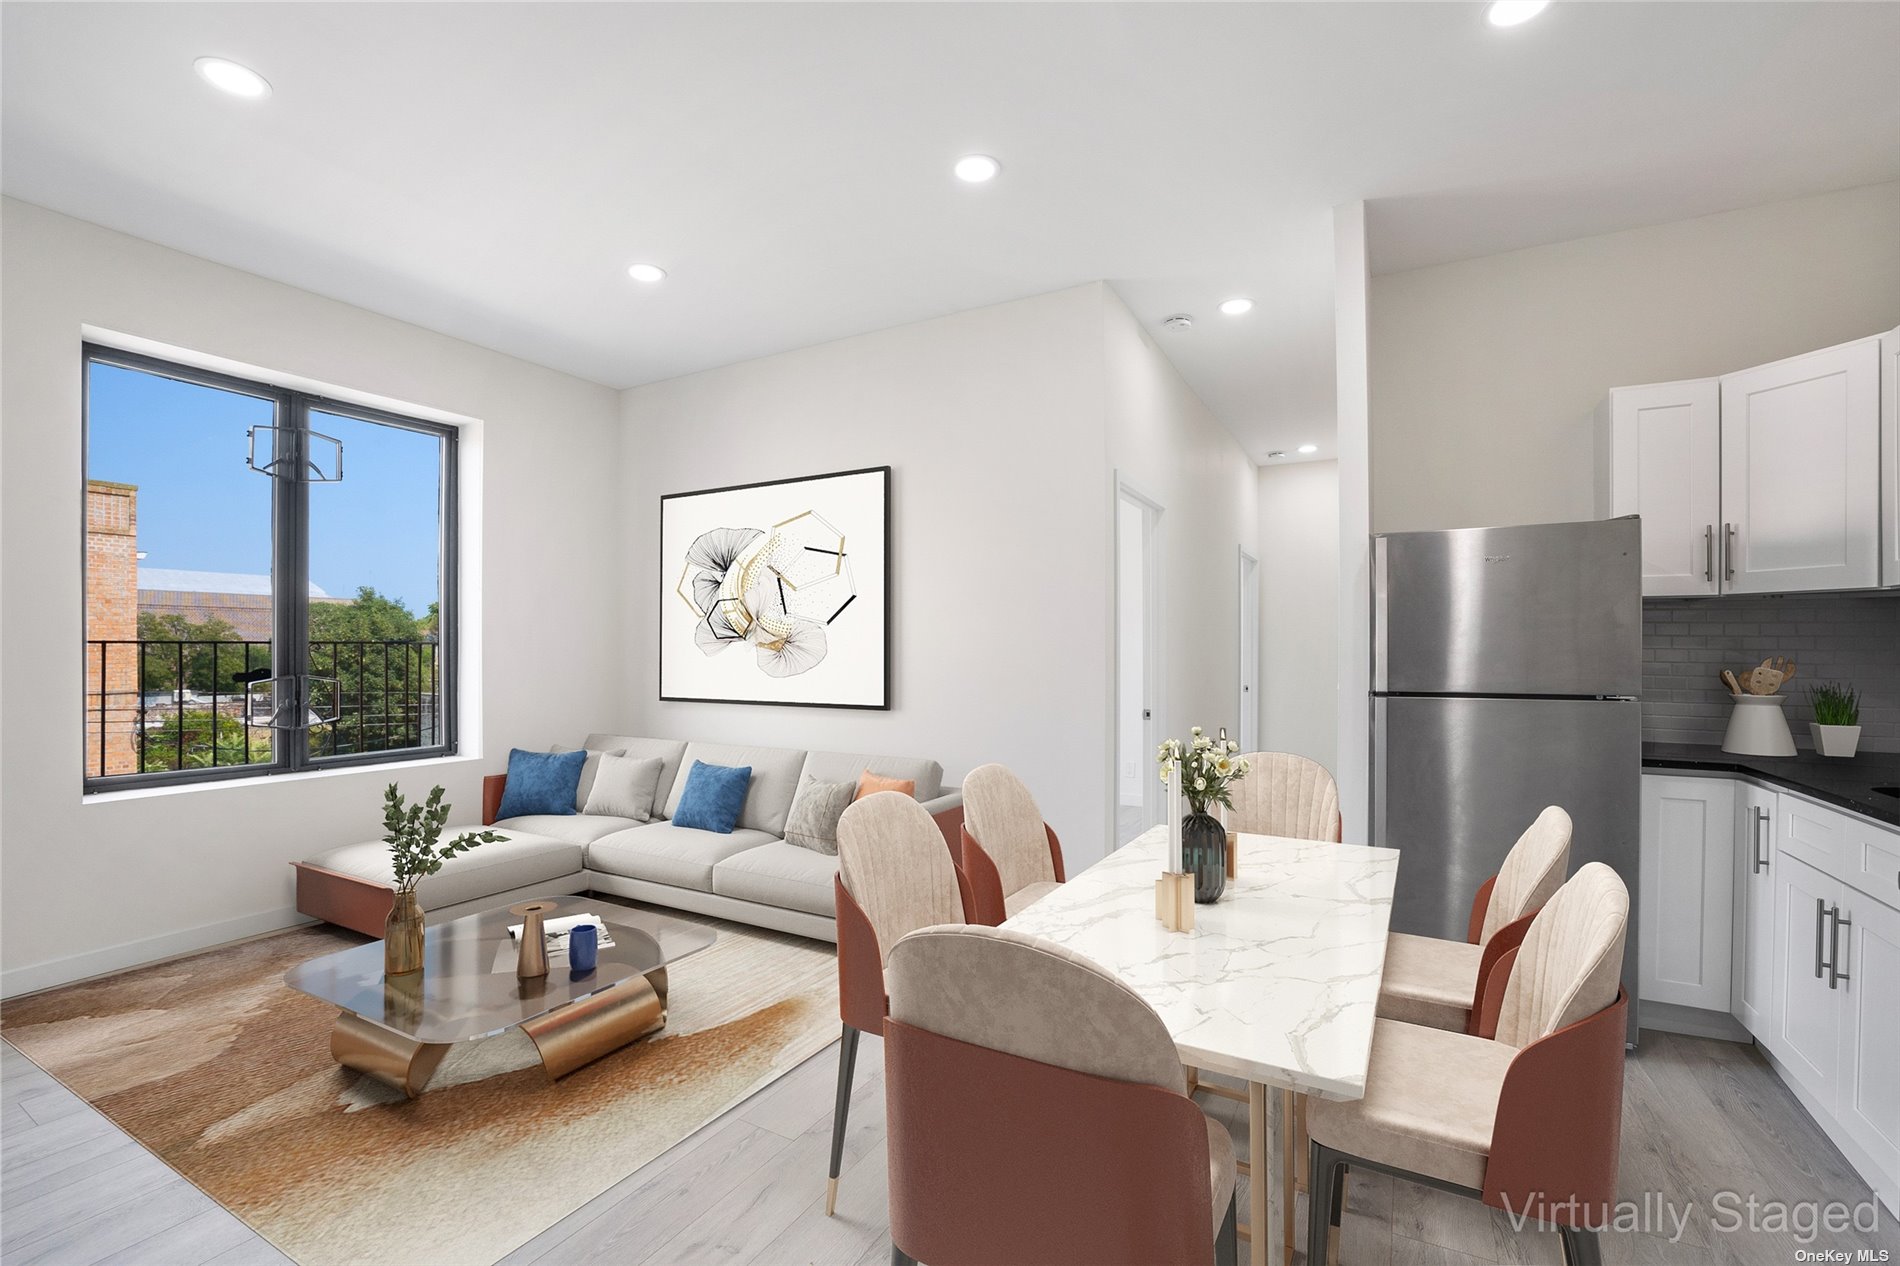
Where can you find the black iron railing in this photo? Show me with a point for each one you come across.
(161, 704)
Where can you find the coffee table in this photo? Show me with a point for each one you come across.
(398, 1029)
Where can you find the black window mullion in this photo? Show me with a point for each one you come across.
(290, 589)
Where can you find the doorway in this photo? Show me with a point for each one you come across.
(1137, 663)
(1249, 652)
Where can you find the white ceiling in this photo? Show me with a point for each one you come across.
(490, 170)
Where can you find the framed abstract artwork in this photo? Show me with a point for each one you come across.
(778, 592)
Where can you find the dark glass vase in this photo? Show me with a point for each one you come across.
(1204, 853)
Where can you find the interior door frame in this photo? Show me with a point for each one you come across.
(1249, 692)
(1153, 657)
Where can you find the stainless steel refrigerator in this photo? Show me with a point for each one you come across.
(1506, 668)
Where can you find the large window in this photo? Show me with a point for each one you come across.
(268, 578)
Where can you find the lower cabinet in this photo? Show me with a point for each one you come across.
(1752, 963)
(1688, 876)
(1867, 1100)
(1807, 1039)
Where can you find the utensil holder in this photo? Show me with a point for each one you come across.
(1757, 728)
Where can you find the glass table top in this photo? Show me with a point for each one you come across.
(467, 987)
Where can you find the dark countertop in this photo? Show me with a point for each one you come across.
(1848, 783)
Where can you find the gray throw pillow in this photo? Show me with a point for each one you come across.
(624, 787)
(813, 820)
(588, 771)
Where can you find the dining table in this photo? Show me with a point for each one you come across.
(1276, 984)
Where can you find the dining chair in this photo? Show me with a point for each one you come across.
(1286, 795)
(1438, 983)
(1526, 1115)
(894, 876)
(1036, 1111)
(1012, 857)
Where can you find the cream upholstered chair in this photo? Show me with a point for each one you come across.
(1037, 1112)
(1527, 1114)
(1286, 795)
(894, 876)
(1440, 983)
(1012, 857)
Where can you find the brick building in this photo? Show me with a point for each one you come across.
(112, 615)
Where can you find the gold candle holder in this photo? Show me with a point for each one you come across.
(531, 961)
(1174, 900)
(1233, 854)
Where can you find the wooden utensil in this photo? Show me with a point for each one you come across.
(1763, 681)
(1781, 664)
(1728, 679)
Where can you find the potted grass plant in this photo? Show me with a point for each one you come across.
(1836, 725)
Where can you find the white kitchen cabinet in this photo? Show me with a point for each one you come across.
(1890, 458)
(1688, 883)
(1665, 464)
(1807, 1037)
(1866, 963)
(1801, 472)
(1753, 957)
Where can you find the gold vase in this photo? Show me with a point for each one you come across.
(402, 936)
(531, 960)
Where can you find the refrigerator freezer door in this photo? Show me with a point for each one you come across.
(1456, 781)
(1549, 609)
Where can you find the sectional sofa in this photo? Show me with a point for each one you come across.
(751, 875)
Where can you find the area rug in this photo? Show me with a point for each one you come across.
(224, 1072)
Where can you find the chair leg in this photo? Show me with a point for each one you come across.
(847, 1065)
(1326, 1171)
(1580, 1246)
(1227, 1243)
(899, 1257)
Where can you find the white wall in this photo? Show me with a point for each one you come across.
(991, 422)
(1130, 604)
(1299, 610)
(1164, 443)
(92, 885)
(1352, 342)
(1484, 372)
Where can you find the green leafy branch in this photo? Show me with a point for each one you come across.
(413, 833)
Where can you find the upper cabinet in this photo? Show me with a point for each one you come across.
(1801, 472)
(1666, 465)
(1890, 459)
(1764, 481)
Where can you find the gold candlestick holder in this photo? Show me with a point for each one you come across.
(1233, 855)
(1174, 900)
(531, 961)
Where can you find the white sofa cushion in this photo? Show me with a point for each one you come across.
(662, 853)
(575, 828)
(848, 766)
(779, 874)
(668, 750)
(516, 861)
(768, 797)
(590, 769)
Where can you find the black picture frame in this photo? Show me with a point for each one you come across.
(669, 593)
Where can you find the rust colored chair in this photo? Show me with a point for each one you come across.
(1286, 795)
(894, 876)
(1012, 857)
(1527, 1114)
(1440, 984)
(1036, 1112)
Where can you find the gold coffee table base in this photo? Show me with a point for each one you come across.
(567, 1039)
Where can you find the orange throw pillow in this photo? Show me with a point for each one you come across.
(869, 784)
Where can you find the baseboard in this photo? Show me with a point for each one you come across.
(34, 977)
(1670, 1017)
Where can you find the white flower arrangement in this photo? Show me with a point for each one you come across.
(1209, 767)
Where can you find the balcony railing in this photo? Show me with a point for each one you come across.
(155, 705)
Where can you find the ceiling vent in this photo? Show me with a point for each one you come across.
(1179, 321)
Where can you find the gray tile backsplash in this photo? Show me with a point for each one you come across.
(1687, 642)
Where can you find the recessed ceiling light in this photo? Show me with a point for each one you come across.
(648, 273)
(1237, 307)
(1309, 448)
(1514, 12)
(228, 76)
(974, 169)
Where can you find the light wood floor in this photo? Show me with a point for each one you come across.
(1700, 1116)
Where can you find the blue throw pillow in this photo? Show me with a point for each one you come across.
(541, 782)
(713, 797)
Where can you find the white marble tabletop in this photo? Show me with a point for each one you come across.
(1279, 979)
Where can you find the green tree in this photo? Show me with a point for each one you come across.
(383, 661)
(195, 738)
(169, 637)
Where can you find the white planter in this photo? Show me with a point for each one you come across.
(1834, 740)
(1757, 728)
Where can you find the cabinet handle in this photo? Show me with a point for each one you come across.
(1728, 551)
(1757, 861)
(1820, 934)
(1708, 552)
(1834, 973)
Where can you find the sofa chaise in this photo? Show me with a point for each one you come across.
(751, 875)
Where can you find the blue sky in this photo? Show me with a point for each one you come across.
(200, 508)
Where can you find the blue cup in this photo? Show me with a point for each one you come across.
(583, 948)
